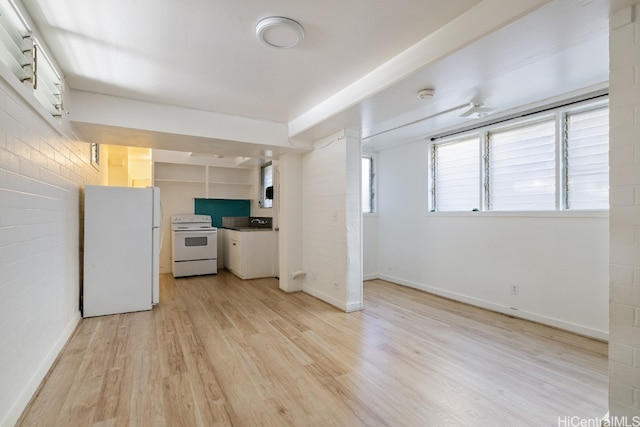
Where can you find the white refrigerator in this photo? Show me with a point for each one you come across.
(121, 250)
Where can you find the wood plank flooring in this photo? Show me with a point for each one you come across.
(219, 351)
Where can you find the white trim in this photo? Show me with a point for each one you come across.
(550, 321)
(525, 214)
(370, 277)
(326, 298)
(354, 306)
(36, 379)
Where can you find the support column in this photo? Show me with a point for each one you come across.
(624, 222)
(290, 222)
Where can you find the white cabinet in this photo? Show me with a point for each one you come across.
(250, 254)
(233, 253)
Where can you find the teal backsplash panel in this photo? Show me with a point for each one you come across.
(218, 208)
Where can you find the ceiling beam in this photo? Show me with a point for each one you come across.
(484, 18)
(86, 107)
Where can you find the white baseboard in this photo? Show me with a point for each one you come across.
(354, 306)
(36, 379)
(370, 277)
(534, 317)
(326, 298)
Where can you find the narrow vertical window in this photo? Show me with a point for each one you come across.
(367, 184)
(587, 159)
(457, 175)
(522, 167)
(266, 185)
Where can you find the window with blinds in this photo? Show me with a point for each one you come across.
(456, 175)
(522, 168)
(47, 86)
(559, 161)
(16, 45)
(25, 57)
(587, 159)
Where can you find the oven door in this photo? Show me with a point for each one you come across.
(190, 245)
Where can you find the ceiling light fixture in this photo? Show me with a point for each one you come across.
(279, 32)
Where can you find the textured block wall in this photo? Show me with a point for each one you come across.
(42, 174)
(624, 291)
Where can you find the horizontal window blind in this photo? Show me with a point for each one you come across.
(587, 159)
(16, 46)
(522, 168)
(48, 84)
(24, 56)
(457, 175)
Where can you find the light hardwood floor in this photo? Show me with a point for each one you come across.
(221, 351)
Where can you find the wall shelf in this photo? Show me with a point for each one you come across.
(211, 181)
(230, 183)
(184, 181)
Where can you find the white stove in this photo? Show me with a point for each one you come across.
(191, 222)
(194, 245)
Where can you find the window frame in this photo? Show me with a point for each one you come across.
(565, 140)
(263, 187)
(372, 184)
(559, 114)
(433, 168)
(520, 124)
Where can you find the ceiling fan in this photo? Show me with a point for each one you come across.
(474, 110)
(477, 110)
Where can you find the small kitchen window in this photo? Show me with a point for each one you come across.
(266, 185)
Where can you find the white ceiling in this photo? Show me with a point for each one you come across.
(203, 55)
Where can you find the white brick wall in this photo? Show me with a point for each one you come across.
(624, 291)
(41, 177)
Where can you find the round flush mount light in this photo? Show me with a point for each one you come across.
(279, 32)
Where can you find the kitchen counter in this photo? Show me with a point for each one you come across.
(243, 229)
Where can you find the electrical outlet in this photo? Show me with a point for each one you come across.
(515, 289)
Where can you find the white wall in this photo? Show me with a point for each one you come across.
(331, 222)
(42, 175)
(177, 198)
(624, 143)
(370, 247)
(558, 260)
